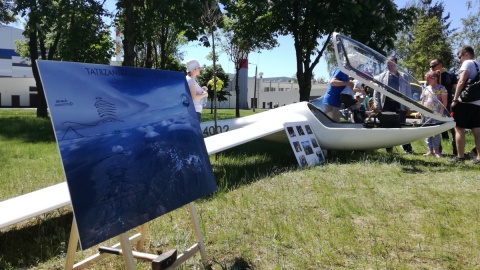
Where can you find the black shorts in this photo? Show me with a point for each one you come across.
(466, 115)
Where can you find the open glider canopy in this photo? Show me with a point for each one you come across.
(366, 65)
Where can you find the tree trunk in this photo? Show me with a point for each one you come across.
(305, 85)
(214, 80)
(163, 47)
(237, 92)
(42, 110)
(149, 56)
(129, 32)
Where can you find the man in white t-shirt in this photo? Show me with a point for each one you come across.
(466, 114)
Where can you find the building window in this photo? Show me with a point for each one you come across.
(280, 89)
(266, 89)
(273, 89)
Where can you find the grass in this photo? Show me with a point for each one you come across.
(368, 210)
(207, 114)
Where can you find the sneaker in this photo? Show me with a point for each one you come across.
(438, 155)
(457, 160)
(428, 154)
(472, 155)
(476, 161)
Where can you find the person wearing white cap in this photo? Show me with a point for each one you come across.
(358, 113)
(197, 92)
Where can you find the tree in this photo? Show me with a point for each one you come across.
(212, 18)
(310, 22)
(51, 30)
(427, 39)
(153, 30)
(128, 17)
(239, 58)
(206, 76)
(6, 11)
(429, 43)
(86, 37)
(470, 32)
(247, 29)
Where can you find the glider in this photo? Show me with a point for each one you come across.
(358, 61)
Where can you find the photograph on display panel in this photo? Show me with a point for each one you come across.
(130, 143)
(304, 144)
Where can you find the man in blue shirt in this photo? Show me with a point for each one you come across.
(332, 103)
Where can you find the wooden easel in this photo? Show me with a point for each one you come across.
(125, 243)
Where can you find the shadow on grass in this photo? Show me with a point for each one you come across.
(238, 264)
(261, 159)
(25, 247)
(27, 129)
(411, 164)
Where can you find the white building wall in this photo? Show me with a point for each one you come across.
(9, 36)
(11, 64)
(16, 76)
(6, 67)
(285, 93)
(16, 87)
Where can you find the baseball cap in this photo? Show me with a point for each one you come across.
(192, 65)
(358, 94)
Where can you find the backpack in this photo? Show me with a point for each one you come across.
(471, 92)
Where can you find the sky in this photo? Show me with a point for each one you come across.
(281, 60)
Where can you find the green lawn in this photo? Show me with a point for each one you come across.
(360, 210)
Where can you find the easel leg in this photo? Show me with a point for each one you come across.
(127, 252)
(198, 233)
(143, 231)
(72, 246)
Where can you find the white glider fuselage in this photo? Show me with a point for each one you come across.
(269, 125)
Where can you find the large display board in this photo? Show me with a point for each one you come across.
(130, 143)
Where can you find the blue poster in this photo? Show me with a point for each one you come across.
(130, 143)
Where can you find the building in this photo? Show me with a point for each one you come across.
(17, 85)
(270, 92)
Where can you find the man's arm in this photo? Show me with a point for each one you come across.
(336, 82)
(377, 101)
(460, 85)
(454, 79)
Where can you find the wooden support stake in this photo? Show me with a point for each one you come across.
(198, 232)
(72, 246)
(100, 256)
(143, 231)
(190, 252)
(127, 252)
